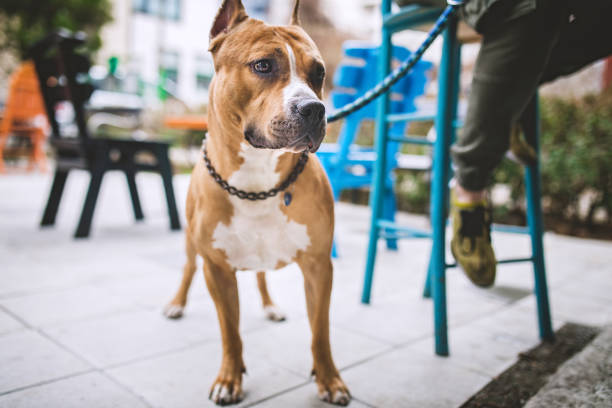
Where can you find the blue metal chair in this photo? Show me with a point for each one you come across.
(347, 164)
(445, 122)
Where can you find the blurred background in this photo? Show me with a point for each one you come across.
(151, 71)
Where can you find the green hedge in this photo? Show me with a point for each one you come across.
(576, 162)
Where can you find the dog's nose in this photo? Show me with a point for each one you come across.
(311, 110)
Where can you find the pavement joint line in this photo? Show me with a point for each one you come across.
(126, 388)
(163, 353)
(293, 388)
(158, 354)
(384, 341)
(50, 381)
(15, 316)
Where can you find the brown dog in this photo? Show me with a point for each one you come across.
(265, 120)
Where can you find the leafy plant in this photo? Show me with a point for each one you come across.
(23, 22)
(576, 161)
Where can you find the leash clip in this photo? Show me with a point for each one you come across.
(454, 2)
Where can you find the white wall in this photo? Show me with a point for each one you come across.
(136, 39)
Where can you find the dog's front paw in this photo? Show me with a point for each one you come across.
(173, 311)
(334, 391)
(274, 313)
(226, 391)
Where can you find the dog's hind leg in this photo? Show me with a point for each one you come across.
(318, 274)
(223, 288)
(270, 309)
(175, 308)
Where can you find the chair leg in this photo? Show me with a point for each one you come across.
(534, 219)
(389, 208)
(428, 278)
(40, 159)
(131, 180)
(55, 195)
(378, 180)
(89, 206)
(166, 173)
(447, 96)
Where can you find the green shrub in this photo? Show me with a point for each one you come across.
(576, 162)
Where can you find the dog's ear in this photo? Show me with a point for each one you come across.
(230, 13)
(295, 20)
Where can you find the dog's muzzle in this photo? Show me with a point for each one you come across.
(301, 129)
(310, 117)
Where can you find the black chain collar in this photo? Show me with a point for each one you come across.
(261, 195)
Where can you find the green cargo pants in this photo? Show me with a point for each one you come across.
(558, 38)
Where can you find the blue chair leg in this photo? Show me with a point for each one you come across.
(445, 118)
(427, 286)
(378, 181)
(456, 80)
(389, 208)
(534, 219)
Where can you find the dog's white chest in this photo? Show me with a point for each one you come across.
(259, 234)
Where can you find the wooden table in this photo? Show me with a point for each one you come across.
(187, 122)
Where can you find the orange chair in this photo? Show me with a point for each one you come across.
(24, 104)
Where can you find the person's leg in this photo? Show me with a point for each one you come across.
(585, 37)
(508, 70)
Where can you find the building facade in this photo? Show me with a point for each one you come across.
(165, 42)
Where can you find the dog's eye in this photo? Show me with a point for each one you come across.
(263, 66)
(317, 74)
(320, 72)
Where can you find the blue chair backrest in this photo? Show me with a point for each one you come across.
(352, 80)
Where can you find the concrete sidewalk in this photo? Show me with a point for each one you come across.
(81, 322)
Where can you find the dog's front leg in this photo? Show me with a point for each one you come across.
(223, 288)
(318, 274)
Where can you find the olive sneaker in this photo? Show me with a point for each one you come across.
(471, 242)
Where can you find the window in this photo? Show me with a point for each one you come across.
(168, 9)
(168, 70)
(204, 71)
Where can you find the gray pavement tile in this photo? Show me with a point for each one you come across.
(286, 287)
(393, 319)
(125, 337)
(407, 316)
(183, 379)
(569, 306)
(82, 294)
(480, 350)
(8, 323)
(46, 309)
(519, 320)
(92, 390)
(288, 345)
(27, 358)
(155, 288)
(408, 378)
(301, 397)
(596, 285)
(72, 265)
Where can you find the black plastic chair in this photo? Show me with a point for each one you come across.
(62, 73)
